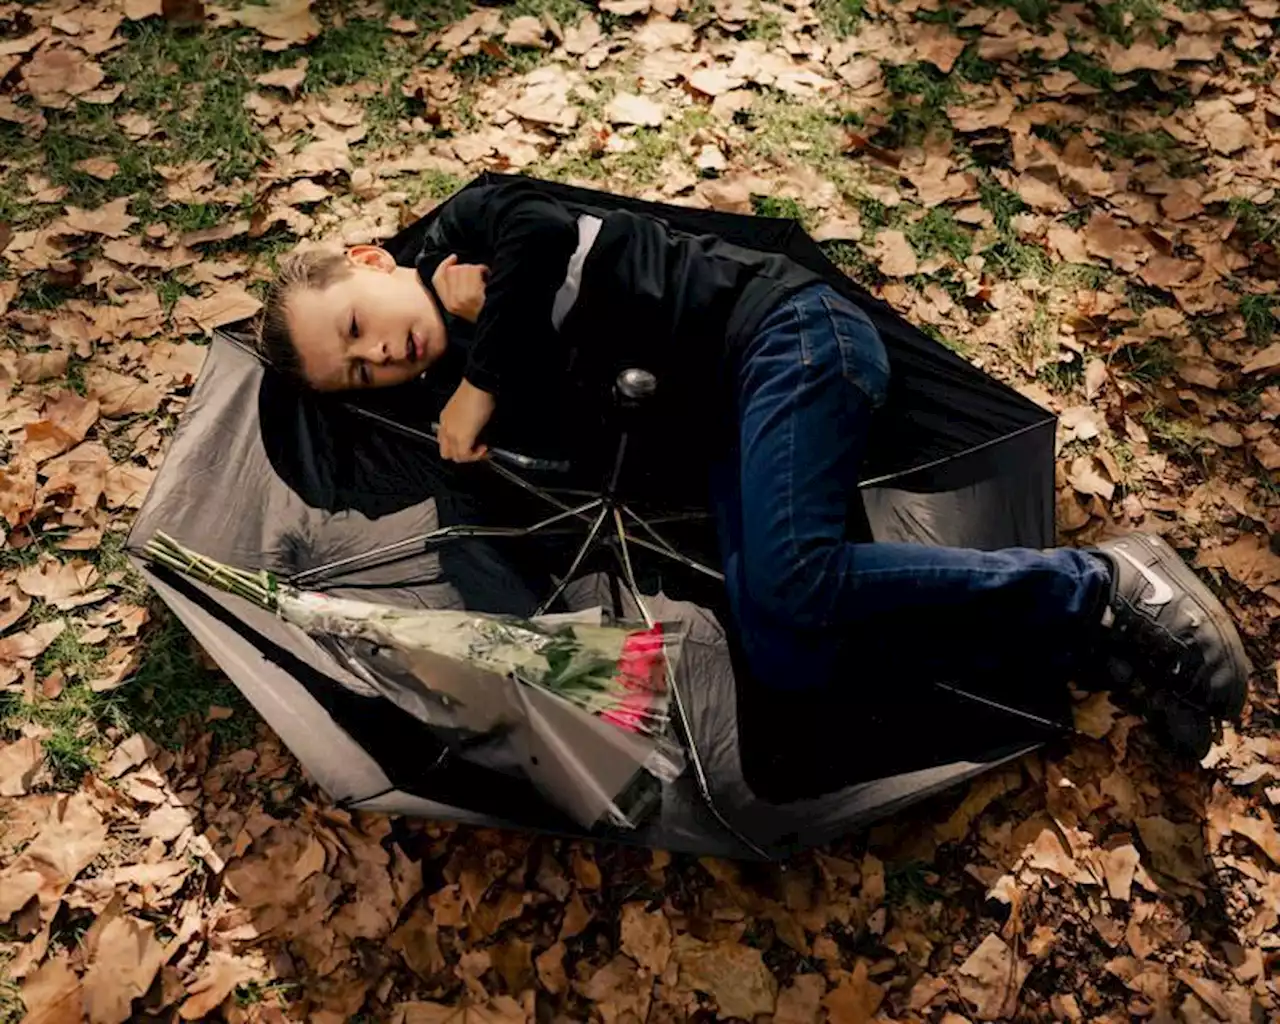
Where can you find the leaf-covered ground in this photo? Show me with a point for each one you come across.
(1079, 197)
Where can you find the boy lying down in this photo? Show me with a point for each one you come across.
(794, 369)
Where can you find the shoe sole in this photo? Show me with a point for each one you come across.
(1181, 575)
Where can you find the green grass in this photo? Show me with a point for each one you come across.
(1259, 316)
(1147, 364)
(841, 17)
(921, 94)
(1125, 20)
(1062, 378)
(938, 232)
(780, 206)
(1255, 223)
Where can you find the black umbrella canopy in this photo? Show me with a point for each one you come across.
(262, 475)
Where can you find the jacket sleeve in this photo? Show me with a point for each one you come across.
(527, 241)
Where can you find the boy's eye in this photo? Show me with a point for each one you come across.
(366, 377)
(355, 328)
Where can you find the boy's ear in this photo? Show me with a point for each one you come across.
(372, 256)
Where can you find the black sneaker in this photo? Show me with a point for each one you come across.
(1166, 635)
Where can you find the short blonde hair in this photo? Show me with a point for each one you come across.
(315, 268)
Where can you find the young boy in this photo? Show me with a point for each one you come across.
(794, 371)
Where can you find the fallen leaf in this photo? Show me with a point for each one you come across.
(290, 79)
(628, 108)
(80, 473)
(122, 964)
(646, 937)
(1176, 850)
(126, 485)
(1095, 715)
(55, 581)
(72, 836)
(800, 1002)
(1249, 560)
(1265, 361)
(1225, 130)
(939, 46)
(1087, 475)
(114, 670)
(57, 74)
(990, 980)
(17, 490)
(228, 305)
(13, 605)
(290, 22)
(52, 994)
(19, 763)
(180, 363)
(218, 978)
(98, 167)
(894, 254)
(1262, 834)
(128, 755)
(1119, 865)
(31, 644)
(550, 966)
(112, 219)
(734, 975)
(218, 233)
(34, 367)
(526, 31)
(121, 395)
(67, 420)
(620, 991)
(855, 1000)
(576, 916)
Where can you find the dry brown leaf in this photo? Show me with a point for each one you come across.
(228, 305)
(114, 670)
(289, 79)
(550, 966)
(31, 644)
(626, 8)
(122, 964)
(1095, 715)
(735, 976)
(894, 254)
(526, 31)
(19, 763)
(98, 167)
(80, 474)
(646, 937)
(286, 22)
(991, 979)
(58, 582)
(1262, 834)
(218, 978)
(1088, 476)
(938, 46)
(585, 868)
(800, 1002)
(71, 837)
(52, 994)
(1224, 128)
(67, 420)
(128, 755)
(112, 219)
(620, 991)
(17, 490)
(34, 367)
(13, 605)
(217, 233)
(628, 108)
(1249, 560)
(1265, 361)
(1176, 850)
(1119, 866)
(121, 395)
(1040, 194)
(57, 74)
(855, 999)
(126, 485)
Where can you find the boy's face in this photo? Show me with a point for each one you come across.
(373, 328)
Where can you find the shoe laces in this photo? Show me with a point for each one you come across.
(1174, 663)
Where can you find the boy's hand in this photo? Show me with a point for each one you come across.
(460, 287)
(464, 416)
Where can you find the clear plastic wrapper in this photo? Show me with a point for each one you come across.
(580, 707)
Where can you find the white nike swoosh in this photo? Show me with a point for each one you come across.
(1161, 592)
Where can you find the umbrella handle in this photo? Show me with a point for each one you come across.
(518, 460)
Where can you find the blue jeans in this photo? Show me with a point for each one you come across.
(814, 608)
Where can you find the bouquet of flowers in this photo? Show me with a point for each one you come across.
(584, 706)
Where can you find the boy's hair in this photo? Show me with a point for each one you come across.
(312, 269)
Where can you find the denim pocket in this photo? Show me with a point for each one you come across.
(863, 358)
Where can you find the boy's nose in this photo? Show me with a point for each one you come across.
(376, 352)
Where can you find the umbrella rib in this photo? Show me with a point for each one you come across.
(691, 746)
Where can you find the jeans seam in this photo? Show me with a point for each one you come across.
(846, 347)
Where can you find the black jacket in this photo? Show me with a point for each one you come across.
(676, 304)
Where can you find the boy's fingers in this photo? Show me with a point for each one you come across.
(449, 261)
